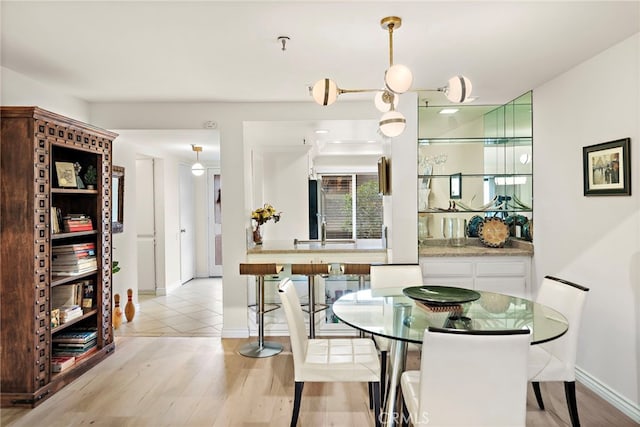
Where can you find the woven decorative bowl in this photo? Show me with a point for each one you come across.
(493, 232)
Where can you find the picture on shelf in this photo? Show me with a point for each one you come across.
(607, 168)
(66, 175)
(455, 186)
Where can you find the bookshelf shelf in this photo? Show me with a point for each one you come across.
(87, 314)
(73, 191)
(74, 234)
(40, 150)
(61, 280)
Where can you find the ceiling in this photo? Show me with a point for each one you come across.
(215, 51)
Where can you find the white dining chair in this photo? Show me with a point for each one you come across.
(392, 277)
(468, 378)
(556, 360)
(327, 360)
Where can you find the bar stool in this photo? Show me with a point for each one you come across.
(360, 270)
(260, 348)
(311, 270)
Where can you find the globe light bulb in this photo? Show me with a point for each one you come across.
(384, 99)
(325, 92)
(398, 78)
(459, 89)
(392, 123)
(197, 169)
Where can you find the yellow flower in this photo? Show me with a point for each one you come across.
(264, 214)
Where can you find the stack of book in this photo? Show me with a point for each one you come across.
(69, 312)
(78, 343)
(74, 259)
(77, 293)
(61, 363)
(77, 222)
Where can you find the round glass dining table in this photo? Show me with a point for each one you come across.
(389, 313)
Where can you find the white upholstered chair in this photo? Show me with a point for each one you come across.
(327, 360)
(468, 378)
(384, 276)
(556, 360)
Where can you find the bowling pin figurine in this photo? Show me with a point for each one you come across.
(117, 312)
(129, 308)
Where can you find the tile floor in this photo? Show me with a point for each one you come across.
(193, 310)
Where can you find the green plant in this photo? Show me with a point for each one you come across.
(115, 267)
(91, 175)
(368, 208)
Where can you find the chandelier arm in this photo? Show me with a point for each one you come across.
(341, 91)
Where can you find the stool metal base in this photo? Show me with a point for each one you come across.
(253, 349)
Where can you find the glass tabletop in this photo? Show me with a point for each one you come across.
(389, 313)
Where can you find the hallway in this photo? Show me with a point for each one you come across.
(193, 310)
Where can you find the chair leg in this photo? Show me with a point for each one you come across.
(370, 395)
(376, 402)
(405, 414)
(383, 374)
(570, 393)
(296, 403)
(536, 391)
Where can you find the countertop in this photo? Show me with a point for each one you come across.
(439, 248)
(285, 252)
(287, 246)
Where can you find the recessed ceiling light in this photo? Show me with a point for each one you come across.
(322, 131)
(448, 111)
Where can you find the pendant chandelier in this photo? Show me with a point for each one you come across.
(397, 80)
(197, 169)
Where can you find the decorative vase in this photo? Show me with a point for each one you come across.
(117, 312)
(129, 308)
(257, 237)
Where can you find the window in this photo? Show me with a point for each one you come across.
(351, 206)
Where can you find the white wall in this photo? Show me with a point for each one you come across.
(593, 241)
(18, 90)
(237, 203)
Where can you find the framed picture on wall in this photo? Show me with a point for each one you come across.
(607, 168)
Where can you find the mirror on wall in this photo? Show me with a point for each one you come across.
(117, 203)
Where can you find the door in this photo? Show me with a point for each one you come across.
(145, 226)
(187, 225)
(215, 223)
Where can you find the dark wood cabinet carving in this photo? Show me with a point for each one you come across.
(32, 141)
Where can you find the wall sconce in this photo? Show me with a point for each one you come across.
(397, 80)
(197, 169)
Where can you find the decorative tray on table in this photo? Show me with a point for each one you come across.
(440, 295)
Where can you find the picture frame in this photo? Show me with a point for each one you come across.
(455, 186)
(66, 174)
(384, 176)
(607, 168)
(117, 200)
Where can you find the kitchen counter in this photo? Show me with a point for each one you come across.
(284, 251)
(439, 248)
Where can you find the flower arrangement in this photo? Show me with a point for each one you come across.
(260, 216)
(264, 214)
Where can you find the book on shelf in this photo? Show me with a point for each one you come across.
(74, 346)
(79, 356)
(70, 312)
(56, 219)
(75, 336)
(61, 363)
(77, 222)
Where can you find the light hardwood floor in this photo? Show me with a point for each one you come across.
(203, 381)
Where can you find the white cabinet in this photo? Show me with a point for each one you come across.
(504, 274)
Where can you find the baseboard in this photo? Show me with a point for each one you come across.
(629, 408)
(235, 333)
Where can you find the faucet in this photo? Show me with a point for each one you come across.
(323, 230)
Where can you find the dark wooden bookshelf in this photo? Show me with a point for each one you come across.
(33, 142)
